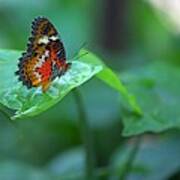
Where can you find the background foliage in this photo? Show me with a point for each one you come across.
(138, 42)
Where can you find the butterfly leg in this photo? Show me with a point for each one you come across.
(45, 85)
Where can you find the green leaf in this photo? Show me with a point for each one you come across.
(27, 103)
(111, 79)
(156, 87)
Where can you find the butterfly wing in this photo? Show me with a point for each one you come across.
(45, 57)
(42, 29)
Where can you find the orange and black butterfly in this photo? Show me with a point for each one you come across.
(45, 58)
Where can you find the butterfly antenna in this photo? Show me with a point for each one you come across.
(80, 55)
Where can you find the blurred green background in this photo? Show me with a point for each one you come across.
(127, 35)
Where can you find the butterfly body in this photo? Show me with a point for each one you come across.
(45, 58)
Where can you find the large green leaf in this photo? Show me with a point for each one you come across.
(32, 102)
(27, 103)
(111, 79)
(157, 88)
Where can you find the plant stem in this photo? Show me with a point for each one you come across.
(130, 160)
(86, 134)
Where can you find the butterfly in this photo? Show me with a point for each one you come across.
(45, 57)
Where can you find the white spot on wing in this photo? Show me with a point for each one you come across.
(38, 76)
(42, 60)
(43, 40)
(53, 38)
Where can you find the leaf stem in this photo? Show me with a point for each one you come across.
(86, 136)
(129, 164)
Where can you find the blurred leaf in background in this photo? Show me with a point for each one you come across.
(157, 91)
(153, 159)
